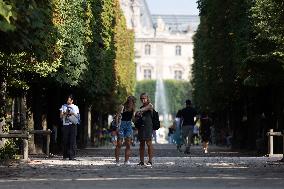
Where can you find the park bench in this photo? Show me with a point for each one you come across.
(270, 135)
(25, 136)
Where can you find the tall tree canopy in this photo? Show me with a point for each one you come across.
(238, 70)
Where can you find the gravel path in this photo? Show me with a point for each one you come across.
(95, 168)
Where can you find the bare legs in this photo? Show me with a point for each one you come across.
(205, 146)
(142, 149)
(127, 149)
(117, 150)
(150, 149)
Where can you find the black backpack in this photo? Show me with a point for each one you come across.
(155, 120)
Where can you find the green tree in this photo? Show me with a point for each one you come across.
(28, 38)
(124, 60)
(111, 73)
(69, 20)
(238, 68)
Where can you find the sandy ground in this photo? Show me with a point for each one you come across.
(95, 168)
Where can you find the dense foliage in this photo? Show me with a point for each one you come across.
(69, 21)
(238, 71)
(124, 60)
(220, 47)
(52, 48)
(111, 74)
(266, 60)
(27, 51)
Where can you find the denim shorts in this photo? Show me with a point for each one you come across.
(125, 130)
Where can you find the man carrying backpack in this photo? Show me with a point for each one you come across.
(144, 124)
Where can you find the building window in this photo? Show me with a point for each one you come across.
(147, 74)
(178, 50)
(147, 49)
(178, 74)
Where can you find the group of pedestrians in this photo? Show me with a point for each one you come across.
(184, 124)
(142, 119)
(127, 114)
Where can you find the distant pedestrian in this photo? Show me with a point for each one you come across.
(125, 131)
(69, 113)
(205, 130)
(114, 129)
(154, 136)
(171, 134)
(145, 128)
(188, 115)
(195, 136)
(177, 134)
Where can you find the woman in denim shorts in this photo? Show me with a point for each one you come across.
(125, 131)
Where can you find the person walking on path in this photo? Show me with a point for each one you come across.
(69, 113)
(125, 131)
(205, 130)
(177, 134)
(171, 134)
(145, 128)
(187, 115)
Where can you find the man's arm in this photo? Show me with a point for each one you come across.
(62, 113)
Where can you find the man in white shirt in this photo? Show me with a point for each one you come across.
(69, 113)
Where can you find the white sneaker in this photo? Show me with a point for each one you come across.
(117, 163)
(126, 163)
(149, 164)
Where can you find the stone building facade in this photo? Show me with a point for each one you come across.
(163, 43)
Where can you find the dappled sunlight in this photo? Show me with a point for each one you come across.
(77, 162)
(101, 172)
(226, 165)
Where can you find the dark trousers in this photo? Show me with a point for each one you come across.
(69, 141)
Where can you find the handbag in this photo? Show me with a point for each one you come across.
(115, 125)
(73, 119)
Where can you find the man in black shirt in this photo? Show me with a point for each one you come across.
(187, 115)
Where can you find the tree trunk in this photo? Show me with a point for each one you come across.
(23, 112)
(38, 116)
(3, 87)
(87, 124)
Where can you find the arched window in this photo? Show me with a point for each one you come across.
(178, 50)
(147, 74)
(178, 74)
(147, 49)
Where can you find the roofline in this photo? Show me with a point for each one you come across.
(148, 12)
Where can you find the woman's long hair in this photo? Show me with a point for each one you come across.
(129, 104)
